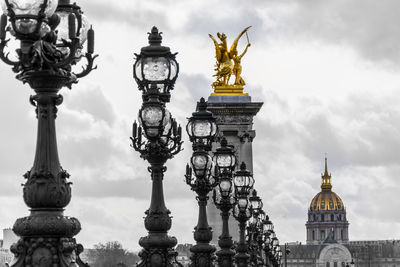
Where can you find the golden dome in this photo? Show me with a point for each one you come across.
(326, 199)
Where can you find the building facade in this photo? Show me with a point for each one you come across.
(9, 238)
(327, 237)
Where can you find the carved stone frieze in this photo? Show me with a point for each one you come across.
(234, 119)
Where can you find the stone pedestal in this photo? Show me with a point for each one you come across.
(235, 122)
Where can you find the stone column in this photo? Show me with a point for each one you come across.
(235, 122)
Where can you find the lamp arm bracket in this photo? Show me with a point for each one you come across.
(89, 66)
(4, 56)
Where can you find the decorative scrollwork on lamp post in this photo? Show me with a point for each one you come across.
(244, 182)
(202, 130)
(225, 160)
(51, 34)
(154, 69)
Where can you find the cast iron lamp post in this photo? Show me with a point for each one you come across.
(51, 35)
(253, 227)
(225, 160)
(243, 181)
(202, 129)
(267, 241)
(266, 233)
(287, 252)
(163, 142)
(260, 238)
(275, 250)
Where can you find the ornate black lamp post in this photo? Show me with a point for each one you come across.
(51, 34)
(225, 160)
(275, 250)
(287, 252)
(244, 182)
(201, 129)
(253, 228)
(259, 235)
(163, 142)
(266, 237)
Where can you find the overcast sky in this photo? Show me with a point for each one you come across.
(328, 72)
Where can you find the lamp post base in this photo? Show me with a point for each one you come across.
(47, 240)
(225, 257)
(158, 251)
(202, 255)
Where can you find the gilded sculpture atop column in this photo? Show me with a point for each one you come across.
(228, 63)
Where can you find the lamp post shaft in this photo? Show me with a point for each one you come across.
(157, 245)
(285, 254)
(225, 254)
(46, 234)
(157, 192)
(202, 252)
(242, 257)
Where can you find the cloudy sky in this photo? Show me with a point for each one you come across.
(327, 71)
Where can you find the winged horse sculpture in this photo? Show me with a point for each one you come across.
(228, 61)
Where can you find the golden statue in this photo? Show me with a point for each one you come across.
(228, 63)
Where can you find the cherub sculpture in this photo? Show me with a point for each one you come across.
(228, 61)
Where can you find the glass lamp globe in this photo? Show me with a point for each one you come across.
(224, 157)
(202, 126)
(201, 164)
(242, 203)
(267, 226)
(63, 29)
(154, 118)
(243, 180)
(156, 66)
(225, 187)
(27, 13)
(255, 201)
(224, 161)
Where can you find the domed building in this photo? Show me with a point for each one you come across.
(327, 242)
(327, 215)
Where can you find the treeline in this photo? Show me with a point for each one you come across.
(111, 254)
